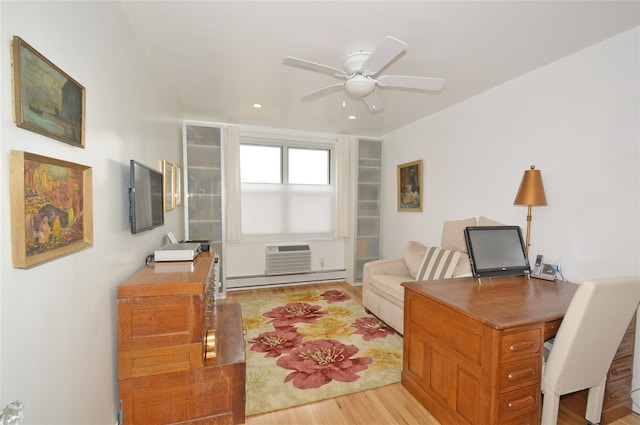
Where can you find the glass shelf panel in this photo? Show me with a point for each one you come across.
(201, 181)
(206, 230)
(203, 135)
(203, 156)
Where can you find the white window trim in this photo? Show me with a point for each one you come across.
(292, 138)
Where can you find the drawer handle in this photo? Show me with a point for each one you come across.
(521, 346)
(621, 371)
(619, 394)
(521, 374)
(521, 403)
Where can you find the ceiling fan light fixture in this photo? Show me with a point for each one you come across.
(359, 85)
(360, 73)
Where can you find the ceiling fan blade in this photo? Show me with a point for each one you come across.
(385, 53)
(407, 82)
(373, 102)
(321, 92)
(301, 63)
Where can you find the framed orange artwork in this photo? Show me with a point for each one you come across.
(51, 208)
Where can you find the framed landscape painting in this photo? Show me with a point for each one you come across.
(45, 99)
(51, 208)
(410, 186)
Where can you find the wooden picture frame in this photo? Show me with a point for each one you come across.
(167, 185)
(177, 174)
(410, 186)
(46, 100)
(51, 208)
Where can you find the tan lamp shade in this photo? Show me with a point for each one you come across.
(531, 190)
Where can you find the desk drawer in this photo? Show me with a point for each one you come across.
(520, 402)
(626, 345)
(551, 329)
(518, 344)
(528, 419)
(617, 392)
(620, 368)
(519, 374)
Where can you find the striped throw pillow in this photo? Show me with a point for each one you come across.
(438, 263)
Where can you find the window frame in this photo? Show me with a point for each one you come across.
(284, 159)
(297, 143)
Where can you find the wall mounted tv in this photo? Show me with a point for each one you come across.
(496, 251)
(146, 199)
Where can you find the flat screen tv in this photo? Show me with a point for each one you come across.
(496, 251)
(146, 198)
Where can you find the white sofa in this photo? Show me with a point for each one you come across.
(382, 290)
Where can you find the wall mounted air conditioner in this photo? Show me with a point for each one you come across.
(287, 259)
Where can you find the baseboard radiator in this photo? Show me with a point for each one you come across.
(238, 283)
(287, 259)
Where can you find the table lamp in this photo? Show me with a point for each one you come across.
(531, 193)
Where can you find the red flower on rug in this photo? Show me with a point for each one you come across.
(277, 342)
(335, 296)
(286, 316)
(319, 362)
(371, 328)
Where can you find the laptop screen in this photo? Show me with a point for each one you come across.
(496, 251)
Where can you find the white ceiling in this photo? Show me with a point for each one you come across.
(223, 56)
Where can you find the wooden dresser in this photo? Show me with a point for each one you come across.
(180, 353)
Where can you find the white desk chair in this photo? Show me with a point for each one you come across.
(586, 342)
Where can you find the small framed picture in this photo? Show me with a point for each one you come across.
(168, 182)
(45, 99)
(177, 174)
(410, 186)
(51, 208)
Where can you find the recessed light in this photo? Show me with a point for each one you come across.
(352, 117)
(257, 105)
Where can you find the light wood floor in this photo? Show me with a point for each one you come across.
(387, 405)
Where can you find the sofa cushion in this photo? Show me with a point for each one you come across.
(413, 254)
(453, 234)
(464, 266)
(389, 286)
(484, 221)
(438, 263)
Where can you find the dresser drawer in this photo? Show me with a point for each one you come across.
(153, 361)
(519, 374)
(519, 344)
(159, 321)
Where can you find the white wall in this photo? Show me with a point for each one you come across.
(577, 121)
(58, 335)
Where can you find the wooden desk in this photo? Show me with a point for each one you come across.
(473, 352)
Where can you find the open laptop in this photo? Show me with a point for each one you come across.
(496, 251)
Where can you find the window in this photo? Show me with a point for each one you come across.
(260, 164)
(286, 189)
(308, 166)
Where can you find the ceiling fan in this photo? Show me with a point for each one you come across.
(360, 72)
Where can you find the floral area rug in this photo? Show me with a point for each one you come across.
(311, 345)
